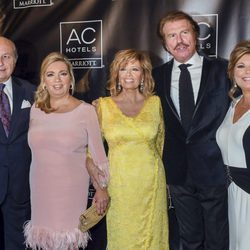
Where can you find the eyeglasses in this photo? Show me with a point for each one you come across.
(132, 71)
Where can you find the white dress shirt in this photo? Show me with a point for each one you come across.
(195, 72)
(8, 91)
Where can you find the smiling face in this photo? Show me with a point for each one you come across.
(180, 39)
(242, 73)
(7, 59)
(130, 75)
(57, 79)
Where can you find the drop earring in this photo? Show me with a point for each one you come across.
(235, 85)
(141, 86)
(118, 87)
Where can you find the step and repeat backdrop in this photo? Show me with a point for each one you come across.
(89, 32)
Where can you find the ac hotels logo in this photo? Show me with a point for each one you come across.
(208, 39)
(81, 42)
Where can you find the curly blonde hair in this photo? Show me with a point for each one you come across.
(241, 49)
(42, 97)
(122, 58)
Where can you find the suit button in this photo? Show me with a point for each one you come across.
(188, 141)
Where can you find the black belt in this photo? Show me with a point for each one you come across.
(240, 176)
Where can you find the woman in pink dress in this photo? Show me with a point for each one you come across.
(61, 128)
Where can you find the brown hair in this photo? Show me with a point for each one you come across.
(241, 49)
(42, 98)
(121, 59)
(177, 15)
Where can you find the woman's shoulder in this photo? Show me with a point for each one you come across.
(154, 104)
(35, 110)
(85, 106)
(85, 111)
(37, 113)
(154, 99)
(104, 100)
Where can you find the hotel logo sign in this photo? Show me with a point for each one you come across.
(21, 4)
(81, 42)
(208, 39)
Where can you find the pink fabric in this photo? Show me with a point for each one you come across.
(58, 177)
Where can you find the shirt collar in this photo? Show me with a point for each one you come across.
(8, 87)
(195, 60)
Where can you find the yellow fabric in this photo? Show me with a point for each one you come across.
(137, 217)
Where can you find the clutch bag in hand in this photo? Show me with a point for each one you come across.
(89, 218)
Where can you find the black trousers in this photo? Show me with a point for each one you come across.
(13, 217)
(202, 215)
(174, 235)
(98, 236)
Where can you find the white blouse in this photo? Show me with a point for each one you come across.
(229, 137)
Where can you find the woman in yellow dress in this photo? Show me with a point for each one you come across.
(132, 124)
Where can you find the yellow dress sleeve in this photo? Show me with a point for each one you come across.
(161, 131)
(99, 114)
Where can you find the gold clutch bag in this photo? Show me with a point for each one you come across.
(89, 218)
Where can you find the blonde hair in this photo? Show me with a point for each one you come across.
(241, 49)
(122, 58)
(42, 97)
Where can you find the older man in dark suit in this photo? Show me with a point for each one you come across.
(193, 90)
(16, 96)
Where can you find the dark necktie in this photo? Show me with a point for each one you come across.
(5, 113)
(186, 97)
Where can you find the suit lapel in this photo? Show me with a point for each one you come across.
(202, 90)
(3, 136)
(203, 83)
(167, 87)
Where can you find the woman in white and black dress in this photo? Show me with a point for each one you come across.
(233, 137)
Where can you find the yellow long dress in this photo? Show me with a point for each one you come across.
(137, 217)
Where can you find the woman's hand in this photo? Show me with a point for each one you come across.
(101, 199)
(95, 174)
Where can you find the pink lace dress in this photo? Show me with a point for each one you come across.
(58, 177)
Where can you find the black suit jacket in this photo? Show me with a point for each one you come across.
(15, 155)
(196, 154)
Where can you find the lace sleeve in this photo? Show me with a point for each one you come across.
(99, 113)
(161, 132)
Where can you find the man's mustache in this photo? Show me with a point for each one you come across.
(181, 44)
